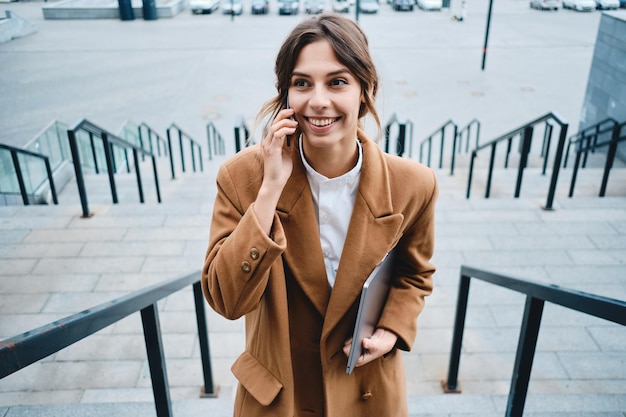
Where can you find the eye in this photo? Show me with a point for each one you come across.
(299, 83)
(338, 82)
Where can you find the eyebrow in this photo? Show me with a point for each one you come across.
(330, 74)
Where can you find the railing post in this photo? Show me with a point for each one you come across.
(80, 181)
(53, 189)
(156, 360)
(209, 136)
(237, 140)
(454, 141)
(490, 173)
(182, 153)
(138, 174)
(545, 150)
(469, 176)
(526, 346)
(169, 146)
(610, 157)
(556, 166)
(93, 153)
(400, 142)
(451, 385)
(20, 177)
(156, 178)
(526, 139)
(443, 139)
(193, 156)
(110, 166)
(203, 337)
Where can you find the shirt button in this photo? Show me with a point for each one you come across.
(366, 396)
(245, 266)
(254, 254)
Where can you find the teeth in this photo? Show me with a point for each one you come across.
(321, 122)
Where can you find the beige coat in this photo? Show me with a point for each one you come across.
(293, 364)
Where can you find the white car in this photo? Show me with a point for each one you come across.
(430, 4)
(545, 4)
(580, 5)
(607, 4)
(232, 7)
(368, 6)
(341, 6)
(203, 6)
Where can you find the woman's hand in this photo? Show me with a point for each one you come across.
(277, 167)
(381, 343)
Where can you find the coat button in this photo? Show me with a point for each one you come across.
(245, 266)
(366, 396)
(254, 254)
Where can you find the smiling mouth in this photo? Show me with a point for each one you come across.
(322, 122)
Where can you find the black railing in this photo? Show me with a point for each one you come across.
(405, 134)
(19, 174)
(587, 144)
(441, 132)
(242, 134)
(109, 143)
(193, 146)
(473, 125)
(536, 296)
(27, 348)
(525, 133)
(214, 140)
(153, 138)
(589, 136)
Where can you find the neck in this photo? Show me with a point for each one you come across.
(332, 162)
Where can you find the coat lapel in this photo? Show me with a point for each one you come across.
(374, 229)
(303, 254)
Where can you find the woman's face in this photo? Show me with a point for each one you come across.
(325, 97)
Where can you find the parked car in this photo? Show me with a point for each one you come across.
(313, 6)
(233, 7)
(545, 4)
(343, 6)
(402, 5)
(260, 7)
(430, 4)
(368, 6)
(580, 5)
(607, 4)
(203, 6)
(288, 7)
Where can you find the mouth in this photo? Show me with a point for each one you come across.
(321, 122)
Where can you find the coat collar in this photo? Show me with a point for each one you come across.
(373, 230)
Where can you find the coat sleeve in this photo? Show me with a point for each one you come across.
(414, 282)
(240, 255)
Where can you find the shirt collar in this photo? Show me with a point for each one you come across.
(349, 177)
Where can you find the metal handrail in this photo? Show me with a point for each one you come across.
(109, 140)
(214, 137)
(588, 135)
(467, 131)
(588, 145)
(23, 350)
(153, 133)
(405, 130)
(192, 146)
(241, 139)
(525, 132)
(441, 130)
(20, 176)
(536, 296)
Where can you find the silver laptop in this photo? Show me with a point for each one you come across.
(373, 297)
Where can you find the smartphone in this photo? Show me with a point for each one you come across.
(288, 107)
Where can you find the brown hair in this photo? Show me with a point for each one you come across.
(351, 48)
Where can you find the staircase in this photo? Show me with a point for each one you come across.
(56, 263)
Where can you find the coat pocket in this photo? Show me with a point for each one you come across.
(256, 379)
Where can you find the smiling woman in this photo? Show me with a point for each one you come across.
(299, 225)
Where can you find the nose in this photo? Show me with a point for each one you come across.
(319, 98)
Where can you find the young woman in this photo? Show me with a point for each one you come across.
(299, 223)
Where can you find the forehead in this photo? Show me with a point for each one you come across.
(318, 56)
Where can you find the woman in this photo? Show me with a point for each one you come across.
(299, 223)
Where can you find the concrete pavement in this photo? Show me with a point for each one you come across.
(195, 69)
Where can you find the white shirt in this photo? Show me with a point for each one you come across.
(333, 199)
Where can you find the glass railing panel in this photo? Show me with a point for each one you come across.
(52, 142)
(8, 176)
(33, 172)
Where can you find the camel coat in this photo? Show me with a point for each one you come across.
(296, 326)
